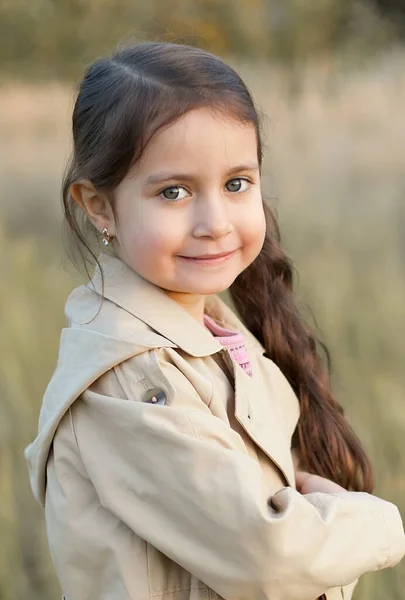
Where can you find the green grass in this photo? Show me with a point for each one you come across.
(335, 172)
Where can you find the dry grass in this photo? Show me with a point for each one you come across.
(335, 171)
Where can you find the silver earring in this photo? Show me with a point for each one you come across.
(106, 237)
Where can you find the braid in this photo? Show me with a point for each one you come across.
(263, 295)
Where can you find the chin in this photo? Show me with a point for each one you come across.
(201, 284)
(210, 290)
(200, 289)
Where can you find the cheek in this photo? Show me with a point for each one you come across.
(150, 240)
(253, 228)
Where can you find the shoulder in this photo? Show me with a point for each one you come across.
(163, 372)
(87, 310)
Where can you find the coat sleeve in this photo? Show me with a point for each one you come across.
(181, 479)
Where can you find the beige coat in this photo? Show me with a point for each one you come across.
(166, 471)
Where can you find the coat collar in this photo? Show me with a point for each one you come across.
(153, 306)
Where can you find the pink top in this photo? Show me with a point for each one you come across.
(233, 340)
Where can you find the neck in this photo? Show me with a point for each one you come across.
(192, 303)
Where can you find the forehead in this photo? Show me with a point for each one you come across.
(201, 137)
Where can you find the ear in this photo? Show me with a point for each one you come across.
(95, 205)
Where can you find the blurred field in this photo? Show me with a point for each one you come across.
(335, 171)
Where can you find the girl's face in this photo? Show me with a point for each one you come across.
(195, 192)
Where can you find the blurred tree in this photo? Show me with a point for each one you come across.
(394, 11)
(302, 28)
(391, 7)
(57, 38)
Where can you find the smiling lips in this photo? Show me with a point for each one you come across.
(209, 258)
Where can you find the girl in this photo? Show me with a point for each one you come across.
(185, 452)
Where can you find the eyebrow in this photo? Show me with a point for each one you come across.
(165, 176)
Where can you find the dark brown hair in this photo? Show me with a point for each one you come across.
(122, 101)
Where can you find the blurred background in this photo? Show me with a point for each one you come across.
(330, 76)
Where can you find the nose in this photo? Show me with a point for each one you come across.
(211, 217)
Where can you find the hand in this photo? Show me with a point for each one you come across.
(307, 483)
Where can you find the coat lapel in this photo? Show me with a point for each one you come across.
(258, 410)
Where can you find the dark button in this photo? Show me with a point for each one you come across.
(155, 396)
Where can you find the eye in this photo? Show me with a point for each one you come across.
(236, 185)
(172, 193)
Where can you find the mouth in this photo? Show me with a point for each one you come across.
(209, 259)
